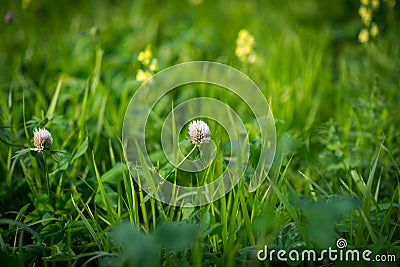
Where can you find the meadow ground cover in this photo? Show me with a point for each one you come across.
(328, 69)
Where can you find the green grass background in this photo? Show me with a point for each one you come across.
(70, 67)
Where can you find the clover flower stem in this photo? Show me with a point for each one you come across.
(191, 151)
(48, 182)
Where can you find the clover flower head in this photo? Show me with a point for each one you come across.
(42, 140)
(8, 17)
(199, 132)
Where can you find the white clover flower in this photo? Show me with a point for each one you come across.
(42, 140)
(199, 132)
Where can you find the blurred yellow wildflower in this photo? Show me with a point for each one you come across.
(366, 11)
(245, 38)
(363, 36)
(154, 65)
(26, 3)
(374, 30)
(145, 56)
(196, 2)
(375, 4)
(391, 3)
(251, 58)
(142, 75)
(365, 14)
(244, 46)
(148, 63)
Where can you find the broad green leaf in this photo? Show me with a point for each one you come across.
(22, 212)
(177, 236)
(114, 175)
(187, 210)
(82, 150)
